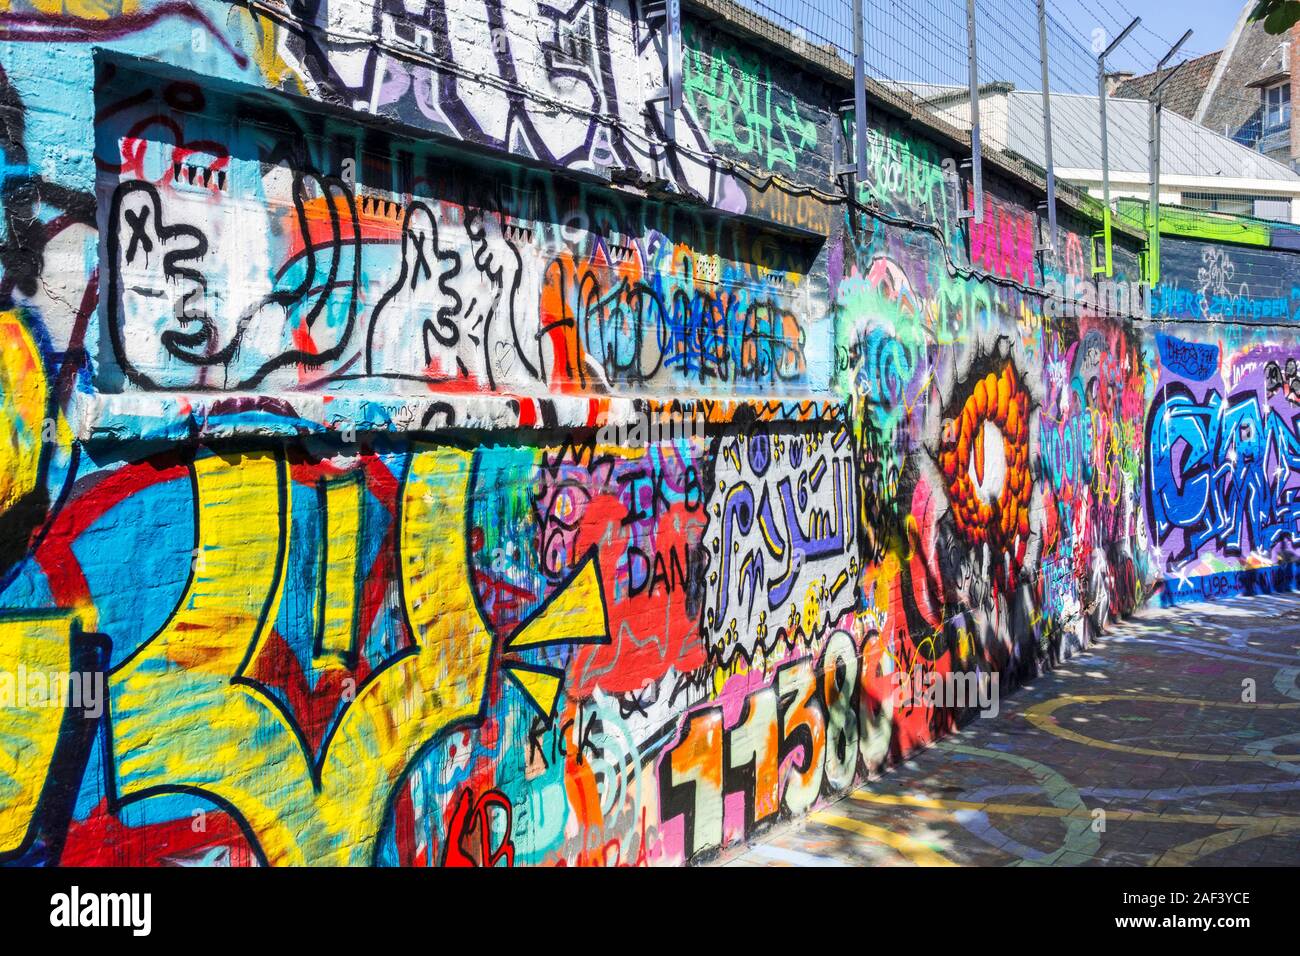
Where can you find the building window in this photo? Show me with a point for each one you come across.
(1277, 106)
(1221, 202)
(1279, 209)
(1259, 207)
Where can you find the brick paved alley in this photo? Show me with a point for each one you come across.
(1149, 726)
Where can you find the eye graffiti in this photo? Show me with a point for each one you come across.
(984, 461)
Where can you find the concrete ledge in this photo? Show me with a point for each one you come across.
(188, 416)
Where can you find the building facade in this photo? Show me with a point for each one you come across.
(440, 454)
(1242, 91)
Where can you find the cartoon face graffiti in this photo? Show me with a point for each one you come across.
(160, 282)
(453, 310)
(188, 304)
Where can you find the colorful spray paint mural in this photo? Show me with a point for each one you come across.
(420, 460)
(1223, 453)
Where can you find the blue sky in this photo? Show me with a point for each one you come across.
(925, 40)
(1212, 21)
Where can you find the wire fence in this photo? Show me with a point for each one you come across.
(1228, 155)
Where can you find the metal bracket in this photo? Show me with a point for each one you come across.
(1102, 261)
(1048, 244)
(843, 159)
(977, 212)
(671, 93)
(842, 164)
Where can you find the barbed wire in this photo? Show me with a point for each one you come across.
(918, 48)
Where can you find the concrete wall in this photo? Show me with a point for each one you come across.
(431, 464)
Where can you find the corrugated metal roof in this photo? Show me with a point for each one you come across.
(1188, 149)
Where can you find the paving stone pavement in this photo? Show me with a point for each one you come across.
(1148, 726)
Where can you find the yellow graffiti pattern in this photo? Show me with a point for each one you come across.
(185, 720)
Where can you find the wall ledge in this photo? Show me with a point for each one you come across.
(214, 416)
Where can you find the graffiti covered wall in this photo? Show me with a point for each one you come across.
(1221, 434)
(414, 457)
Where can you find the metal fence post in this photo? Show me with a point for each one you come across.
(1107, 265)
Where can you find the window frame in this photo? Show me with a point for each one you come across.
(1276, 115)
